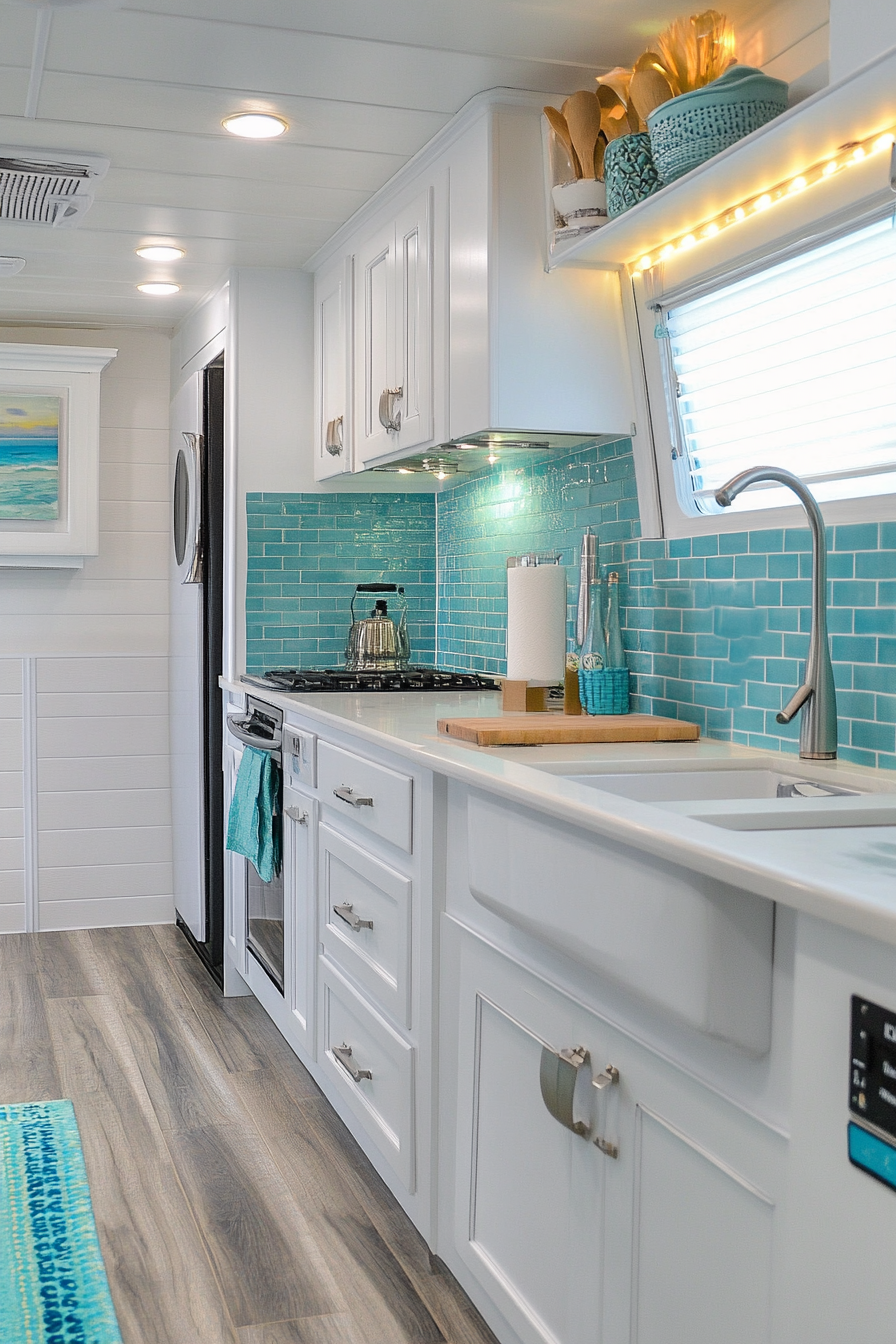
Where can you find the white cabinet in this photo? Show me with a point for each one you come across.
(332, 370)
(394, 334)
(671, 1238)
(458, 327)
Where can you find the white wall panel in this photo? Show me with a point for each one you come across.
(102, 772)
(95, 675)
(126, 882)
(99, 810)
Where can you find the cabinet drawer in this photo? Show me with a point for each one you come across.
(383, 1103)
(374, 796)
(365, 920)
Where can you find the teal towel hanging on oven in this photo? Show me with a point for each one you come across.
(253, 827)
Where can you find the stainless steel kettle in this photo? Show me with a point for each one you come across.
(376, 643)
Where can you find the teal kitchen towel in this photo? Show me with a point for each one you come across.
(253, 827)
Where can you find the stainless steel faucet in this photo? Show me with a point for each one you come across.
(817, 697)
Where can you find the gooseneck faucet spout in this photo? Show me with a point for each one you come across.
(816, 697)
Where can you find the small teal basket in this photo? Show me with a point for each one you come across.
(604, 690)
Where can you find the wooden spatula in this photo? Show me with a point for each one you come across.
(583, 117)
(561, 130)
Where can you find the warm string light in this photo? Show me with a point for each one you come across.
(845, 157)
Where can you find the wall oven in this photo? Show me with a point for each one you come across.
(261, 726)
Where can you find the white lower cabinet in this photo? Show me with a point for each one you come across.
(651, 1220)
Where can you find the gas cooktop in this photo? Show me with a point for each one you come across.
(339, 679)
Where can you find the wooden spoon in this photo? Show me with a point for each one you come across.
(561, 130)
(599, 151)
(649, 90)
(583, 117)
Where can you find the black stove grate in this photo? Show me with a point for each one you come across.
(339, 679)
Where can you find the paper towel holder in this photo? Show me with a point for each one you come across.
(526, 697)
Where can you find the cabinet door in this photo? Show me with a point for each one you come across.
(662, 1231)
(332, 369)
(299, 883)
(528, 1218)
(413, 284)
(375, 362)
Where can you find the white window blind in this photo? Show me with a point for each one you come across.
(793, 366)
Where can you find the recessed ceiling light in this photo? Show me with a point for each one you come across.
(11, 265)
(255, 125)
(159, 253)
(158, 288)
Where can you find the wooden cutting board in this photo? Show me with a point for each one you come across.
(516, 730)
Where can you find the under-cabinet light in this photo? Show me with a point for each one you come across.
(846, 156)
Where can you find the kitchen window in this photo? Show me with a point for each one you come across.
(775, 345)
(791, 365)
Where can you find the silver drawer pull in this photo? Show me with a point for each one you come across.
(343, 1056)
(297, 815)
(347, 795)
(558, 1077)
(347, 913)
(333, 442)
(389, 410)
(602, 1081)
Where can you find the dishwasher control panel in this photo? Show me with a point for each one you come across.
(872, 1089)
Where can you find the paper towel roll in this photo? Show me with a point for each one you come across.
(536, 623)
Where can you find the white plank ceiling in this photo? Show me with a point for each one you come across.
(363, 85)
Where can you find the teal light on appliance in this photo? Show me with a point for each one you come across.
(872, 1154)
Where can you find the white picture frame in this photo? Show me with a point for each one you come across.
(71, 373)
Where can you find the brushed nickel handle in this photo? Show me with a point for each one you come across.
(558, 1077)
(347, 795)
(389, 413)
(602, 1081)
(343, 1056)
(355, 923)
(333, 442)
(296, 814)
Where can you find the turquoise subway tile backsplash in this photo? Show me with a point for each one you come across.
(715, 627)
(307, 552)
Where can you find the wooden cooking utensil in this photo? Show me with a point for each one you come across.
(583, 117)
(561, 130)
(649, 90)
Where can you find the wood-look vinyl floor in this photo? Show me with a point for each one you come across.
(233, 1206)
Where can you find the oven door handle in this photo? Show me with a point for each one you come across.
(237, 729)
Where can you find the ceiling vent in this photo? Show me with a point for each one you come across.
(46, 187)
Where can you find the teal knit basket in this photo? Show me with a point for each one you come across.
(604, 690)
(692, 128)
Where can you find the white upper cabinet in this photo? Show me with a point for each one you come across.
(458, 327)
(393, 335)
(332, 370)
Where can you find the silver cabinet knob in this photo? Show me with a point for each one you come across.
(297, 815)
(343, 1056)
(347, 914)
(389, 412)
(348, 795)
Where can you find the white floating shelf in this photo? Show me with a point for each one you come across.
(853, 109)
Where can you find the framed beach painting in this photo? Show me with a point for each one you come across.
(30, 426)
(49, 453)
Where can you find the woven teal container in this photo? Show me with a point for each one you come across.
(630, 173)
(604, 690)
(690, 129)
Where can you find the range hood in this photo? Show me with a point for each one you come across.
(489, 448)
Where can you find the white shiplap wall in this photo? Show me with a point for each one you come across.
(85, 815)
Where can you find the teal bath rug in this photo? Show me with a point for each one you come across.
(53, 1287)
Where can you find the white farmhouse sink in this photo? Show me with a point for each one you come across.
(692, 945)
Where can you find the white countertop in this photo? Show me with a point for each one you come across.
(846, 874)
